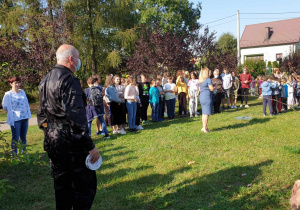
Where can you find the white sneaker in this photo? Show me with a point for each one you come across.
(140, 127)
(232, 107)
(246, 106)
(196, 115)
(235, 107)
(122, 131)
(241, 105)
(191, 115)
(115, 132)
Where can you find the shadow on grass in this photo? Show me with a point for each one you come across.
(132, 194)
(241, 124)
(169, 122)
(225, 189)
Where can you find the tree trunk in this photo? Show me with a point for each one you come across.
(93, 48)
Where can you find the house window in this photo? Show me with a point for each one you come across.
(279, 57)
(255, 57)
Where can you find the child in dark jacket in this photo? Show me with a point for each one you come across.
(275, 95)
(280, 87)
(93, 111)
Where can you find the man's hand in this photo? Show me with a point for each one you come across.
(94, 155)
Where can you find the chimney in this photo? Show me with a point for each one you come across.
(267, 36)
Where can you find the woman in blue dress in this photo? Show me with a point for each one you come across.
(206, 89)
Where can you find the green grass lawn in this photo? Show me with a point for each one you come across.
(151, 170)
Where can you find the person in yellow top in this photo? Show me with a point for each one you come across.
(182, 93)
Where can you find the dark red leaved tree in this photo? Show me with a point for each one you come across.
(291, 63)
(156, 49)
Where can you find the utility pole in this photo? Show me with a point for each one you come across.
(238, 38)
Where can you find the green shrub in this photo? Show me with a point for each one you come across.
(275, 64)
(33, 96)
(255, 66)
(269, 64)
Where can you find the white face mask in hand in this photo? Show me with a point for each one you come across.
(216, 76)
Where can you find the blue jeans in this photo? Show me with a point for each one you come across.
(267, 100)
(19, 131)
(155, 111)
(131, 109)
(103, 125)
(171, 108)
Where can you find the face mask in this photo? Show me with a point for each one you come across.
(216, 76)
(78, 65)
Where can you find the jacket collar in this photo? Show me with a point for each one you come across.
(63, 67)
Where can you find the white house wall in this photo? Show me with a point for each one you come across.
(268, 52)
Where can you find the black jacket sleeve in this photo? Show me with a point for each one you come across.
(62, 102)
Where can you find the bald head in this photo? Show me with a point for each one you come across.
(64, 52)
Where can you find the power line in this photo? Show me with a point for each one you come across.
(219, 19)
(258, 13)
(222, 23)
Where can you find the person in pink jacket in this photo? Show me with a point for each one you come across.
(245, 79)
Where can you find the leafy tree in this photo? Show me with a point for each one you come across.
(103, 31)
(28, 45)
(291, 63)
(256, 67)
(222, 54)
(203, 46)
(176, 15)
(156, 49)
(227, 43)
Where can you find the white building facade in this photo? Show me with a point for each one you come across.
(269, 53)
(271, 41)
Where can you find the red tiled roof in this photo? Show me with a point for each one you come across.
(282, 32)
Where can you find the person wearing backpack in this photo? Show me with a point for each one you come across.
(95, 108)
(98, 124)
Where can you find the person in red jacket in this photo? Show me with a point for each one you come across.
(245, 79)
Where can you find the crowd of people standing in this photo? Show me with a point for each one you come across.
(133, 95)
(215, 90)
(124, 102)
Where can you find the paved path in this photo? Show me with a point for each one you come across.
(4, 127)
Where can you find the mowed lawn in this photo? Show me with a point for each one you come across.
(241, 164)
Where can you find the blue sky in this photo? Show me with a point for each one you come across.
(217, 9)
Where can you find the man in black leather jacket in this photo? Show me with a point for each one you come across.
(62, 117)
